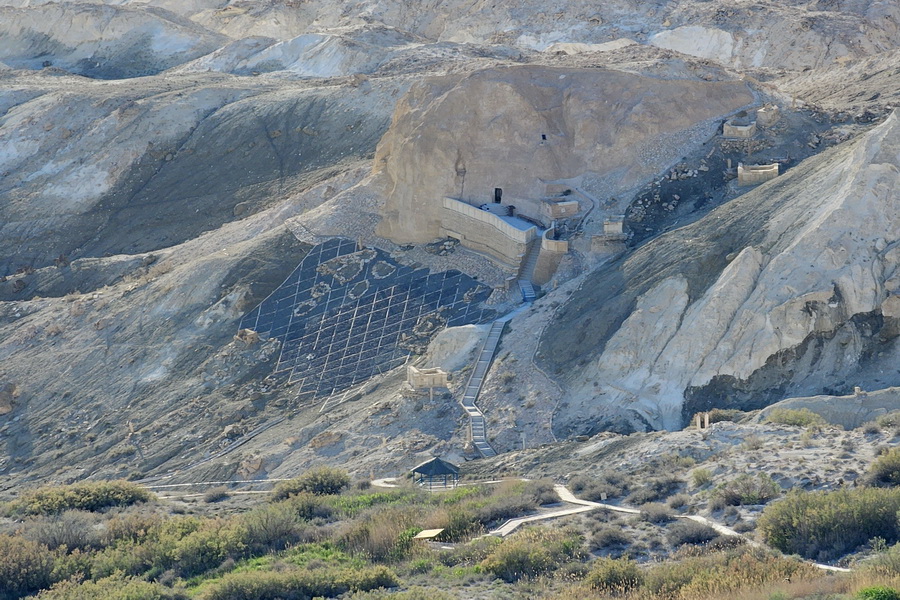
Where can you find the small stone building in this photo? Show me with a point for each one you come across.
(423, 379)
(736, 130)
(755, 174)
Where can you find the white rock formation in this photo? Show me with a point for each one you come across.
(829, 250)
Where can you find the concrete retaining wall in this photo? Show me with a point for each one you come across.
(484, 232)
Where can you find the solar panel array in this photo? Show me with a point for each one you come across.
(345, 315)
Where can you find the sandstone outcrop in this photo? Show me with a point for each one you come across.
(518, 128)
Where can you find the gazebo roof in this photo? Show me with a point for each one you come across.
(436, 466)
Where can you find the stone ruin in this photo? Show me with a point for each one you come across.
(613, 238)
(755, 174)
(768, 115)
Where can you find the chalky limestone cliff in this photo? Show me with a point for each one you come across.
(790, 289)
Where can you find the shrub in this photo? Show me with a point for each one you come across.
(215, 494)
(89, 495)
(71, 529)
(687, 531)
(383, 534)
(268, 585)
(25, 566)
(885, 470)
(611, 483)
(130, 525)
(656, 513)
(207, 547)
(531, 553)
(112, 588)
(541, 492)
(614, 576)
(891, 419)
(746, 489)
(718, 574)
(701, 477)
(271, 528)
(679, 501)
(609, 537)
(826, 525)
(870, 428)
(655, 489)
(505, 508)
(802, 417)
(309, 506)
(321, 481)
(878, 592)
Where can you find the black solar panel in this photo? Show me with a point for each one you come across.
(344, 315)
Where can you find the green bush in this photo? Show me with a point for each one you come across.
(89, 495)
(25, 567)
(891, 419)
(701, 477)
(885, 471)
(655, 490)
(614, 576)
(687, 531)
(878, 592)
(297, 585)
(385, 534)
(321, 481)
(827, 525)
(745, 489)
(112, 588)
(208, 547)
(801, 417)
(532, 553)
(271, 528)
(719, 574)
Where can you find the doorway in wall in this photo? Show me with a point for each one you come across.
(498, 195)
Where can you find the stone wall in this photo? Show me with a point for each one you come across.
(754, 174)
(421, 379)
(552, 252)
(485, 232)
(731, 130)
(768, 115)
(559, 209)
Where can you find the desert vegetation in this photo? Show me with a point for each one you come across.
(323, 536)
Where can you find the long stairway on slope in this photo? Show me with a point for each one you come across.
(477, 422)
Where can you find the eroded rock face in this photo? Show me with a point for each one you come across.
(781, 291)
(154, 163)
(516, 128)
(101, 41)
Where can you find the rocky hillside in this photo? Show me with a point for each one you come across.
(165, 164)
(770, 295)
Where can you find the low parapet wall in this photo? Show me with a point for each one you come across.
(551, 245)
(485, 232)
(731, 130)
(754, 174)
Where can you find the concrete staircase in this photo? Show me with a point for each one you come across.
(526, 272)
(477, 423)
